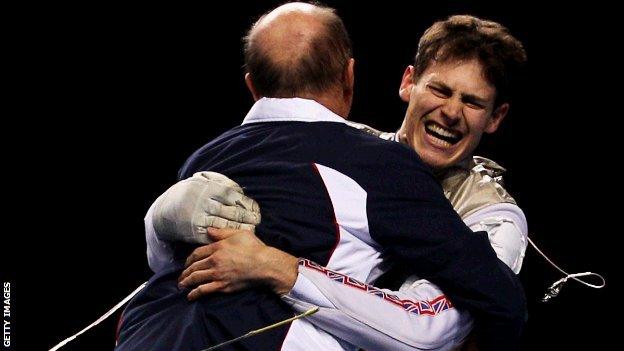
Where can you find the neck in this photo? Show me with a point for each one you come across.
(333, 100)
(334, 106)
(402, 135)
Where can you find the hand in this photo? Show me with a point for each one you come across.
(228, 206)
(237, 260)
(207, 199)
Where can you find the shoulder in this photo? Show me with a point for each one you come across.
(488, 169)
(370, 130)
(489, 176)
(475, 187)
(380, 167)
(389, 159)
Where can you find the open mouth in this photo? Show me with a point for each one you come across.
(446, 136)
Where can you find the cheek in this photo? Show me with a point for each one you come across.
(414, 111)
(427, 102)
(422, 104)
(477, 121)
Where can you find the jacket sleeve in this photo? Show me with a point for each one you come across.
(417, 318)
(507, 231)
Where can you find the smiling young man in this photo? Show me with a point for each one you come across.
(456, 91)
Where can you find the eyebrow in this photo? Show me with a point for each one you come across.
(474, 99)
(466, 97)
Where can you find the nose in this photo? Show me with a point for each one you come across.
(452, 110)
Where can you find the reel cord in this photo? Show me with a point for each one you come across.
(556, 287)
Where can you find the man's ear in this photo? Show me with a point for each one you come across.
(251, 87)
(349, 77)
(497, 117)
(407, 83)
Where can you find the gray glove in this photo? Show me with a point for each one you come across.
(207, 199)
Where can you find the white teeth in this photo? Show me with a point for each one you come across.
(441, 142)
(437, 129)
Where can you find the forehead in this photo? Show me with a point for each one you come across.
(465, 76)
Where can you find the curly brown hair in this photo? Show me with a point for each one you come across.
(464, 37)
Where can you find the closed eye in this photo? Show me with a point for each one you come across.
(473, 103)
(440, 92)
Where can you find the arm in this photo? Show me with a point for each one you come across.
(159, 252)
(507, 231)
(362, 316)
(363, 320)
(419, 318)
(410, 218)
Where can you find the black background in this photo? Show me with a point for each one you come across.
(106, 101)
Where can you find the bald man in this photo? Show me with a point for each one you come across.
(329, 193)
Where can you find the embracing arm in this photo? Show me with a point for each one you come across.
(417, 318)
(376, 318)
(411, 318)
(410, 217)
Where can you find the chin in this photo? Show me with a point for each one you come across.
(435, 162)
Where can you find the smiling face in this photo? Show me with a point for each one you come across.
(450, 106)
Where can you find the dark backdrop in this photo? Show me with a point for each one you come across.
(109, 100)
